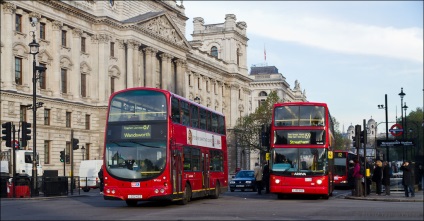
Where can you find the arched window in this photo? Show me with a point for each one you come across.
(263, 94)
(238, 56)
(214, 51)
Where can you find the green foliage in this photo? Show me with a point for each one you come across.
(248, 128)
(341, 143)
(414, 129)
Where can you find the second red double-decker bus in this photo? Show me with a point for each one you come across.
(161, 146)
(341, 167)
(301, 139)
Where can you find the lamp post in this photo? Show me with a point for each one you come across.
(401, 94)
(34, 50)
(83, 152)
(405, 126)
(387, 124)
(197, 100)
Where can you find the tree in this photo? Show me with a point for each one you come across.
(341, 142)
(248, 128)
(414, 130)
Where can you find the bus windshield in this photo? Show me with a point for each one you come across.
(135, 159)
(138, 105)
(299, 116)
(340, 166)
(311, 161)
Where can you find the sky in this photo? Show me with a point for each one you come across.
(348, 54)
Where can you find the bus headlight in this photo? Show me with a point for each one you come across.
(248, 181)
(319, 182)
(277, 181)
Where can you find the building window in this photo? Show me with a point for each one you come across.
(260, 102)
(18, 71)
(238, 57)
(263, 94)
(214, 51)
(42, 31)
(64, 80)
(42, 77)
(87, 122)
(112, 85)
(18, 23)
(68, 119)
(83, 44)
(46, 152)
(23, 113)
(112, 49)
(83, 85)
(46, 116)
(63, 38)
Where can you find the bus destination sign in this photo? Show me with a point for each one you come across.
(299, 138)
(136, 131)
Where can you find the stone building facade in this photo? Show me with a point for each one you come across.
(94, 48)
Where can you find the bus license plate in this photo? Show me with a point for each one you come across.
(298, 190)
(239, 185)
(135, 196)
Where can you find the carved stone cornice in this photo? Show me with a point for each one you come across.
(34, 14)
(57, 25)
(181, 62)
(102, 38)
(9, 8)
(121, 43)
(162, 27)
(150, 50)
(220, 83)
(166, 56)
(76, 32)
(213, 81)
(234, 86)
(133, 44)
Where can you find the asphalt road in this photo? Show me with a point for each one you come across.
(230, 206)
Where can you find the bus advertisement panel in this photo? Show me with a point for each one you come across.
(301, 138)
(160, 146)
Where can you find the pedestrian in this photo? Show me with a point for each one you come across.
(421, 176)
(258, 178)
(350, 178)
(358, 178)
(407, 181)
(387, 173)
(265, 177)
(100, 175)
(377, 176)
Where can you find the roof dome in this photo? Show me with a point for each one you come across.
(351, 127)
(371, 121)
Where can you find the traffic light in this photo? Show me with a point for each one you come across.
(68, 160)
(62, 156)
(357, 136)
(353, 141)
(362, 136)
(7, 133)
(75, 144)
(26, 133)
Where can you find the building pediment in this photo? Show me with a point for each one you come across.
(160, 25)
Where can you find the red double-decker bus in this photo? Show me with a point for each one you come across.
(341, 167)
(301, 139)
(161, 146)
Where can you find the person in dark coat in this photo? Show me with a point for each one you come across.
(265, 177)
(377, 176)
(100, 175)
(407, 181)
(386, 177)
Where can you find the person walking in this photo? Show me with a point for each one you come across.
(350, 178)
(265, 177)
(386, 177)
(258, 177)
(407, 181)
(377, 176)
(100, 175)
(358, 178)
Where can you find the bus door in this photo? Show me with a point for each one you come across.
(177, 170)
(205, 170)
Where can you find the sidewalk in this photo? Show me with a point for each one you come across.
(395, 196)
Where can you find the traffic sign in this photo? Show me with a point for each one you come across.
(396, 130)
(16, 144)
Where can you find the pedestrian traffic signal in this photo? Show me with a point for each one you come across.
(26, 133)
(7, 133)
(75, 144)
(62, 156)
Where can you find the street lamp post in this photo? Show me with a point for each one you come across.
(405, 126)
(387, 123)
(401, 94)
(34, 50)
(83, 152)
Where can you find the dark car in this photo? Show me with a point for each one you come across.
(244, 179)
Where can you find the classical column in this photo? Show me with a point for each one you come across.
(132, 46)
(103, 67)
(75, 77)
(94, 75)
(167, 76)
(181, 77)
(140, 67)
(56, 46)
(7, 61)
(150, 74)
(234, 103)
